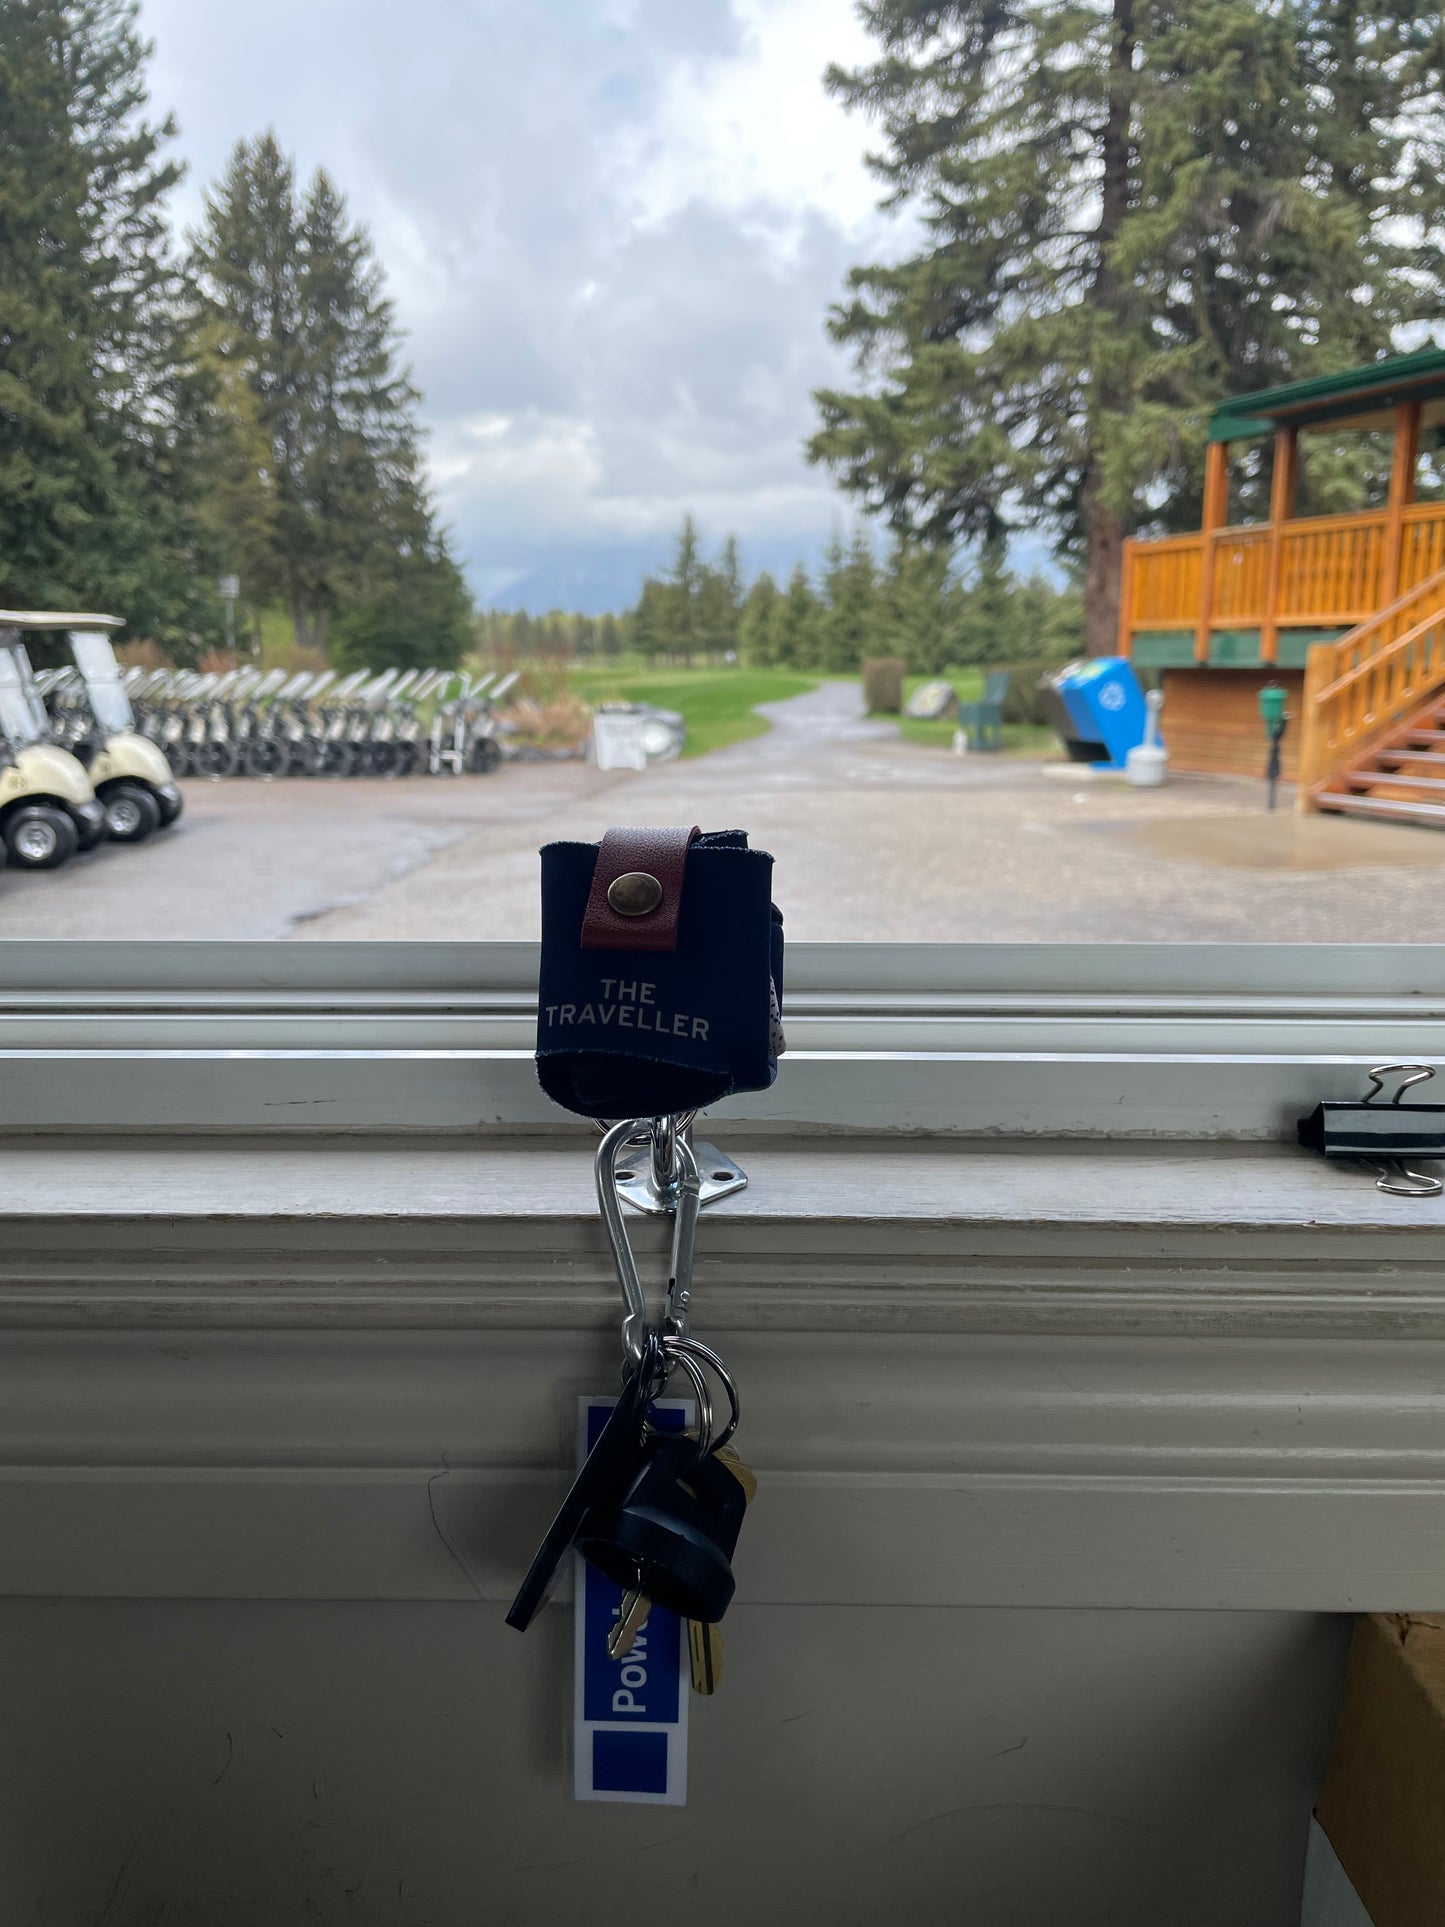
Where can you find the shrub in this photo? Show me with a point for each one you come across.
(1022, 705)
(883, 685)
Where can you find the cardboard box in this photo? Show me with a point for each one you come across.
(1383, 1804)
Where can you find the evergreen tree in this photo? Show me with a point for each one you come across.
(419, 617)
(609, 639)
(653, 621)
(1045, 623)
(849, 612)
(295, 302)
(1130, 210)
(988, 613)
(717, 618)
(236, 497)
(96, 493)
(686, 584)
(734, 590)
(920, 605)
(795, 624)
(756, 625)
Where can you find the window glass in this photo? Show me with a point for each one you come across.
(1008, 485)
(22, 714)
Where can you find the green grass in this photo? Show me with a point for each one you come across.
(939, 735)
(719, 704)
(1019, 739)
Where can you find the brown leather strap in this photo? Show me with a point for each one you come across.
(644, 854)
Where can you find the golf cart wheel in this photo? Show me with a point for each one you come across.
(170, 809)
(131, 813)
(406, 758)
(179, 756)
(384, 760)
(215, 760)
(40, 837)
(483, 756)
(337, 759)
(265, 757)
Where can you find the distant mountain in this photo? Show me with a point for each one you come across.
(593, 579)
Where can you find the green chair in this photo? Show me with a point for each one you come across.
(982, 722)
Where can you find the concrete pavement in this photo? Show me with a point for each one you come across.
(874, 839)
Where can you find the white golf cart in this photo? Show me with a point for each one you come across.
(128, 772)
(48, 807)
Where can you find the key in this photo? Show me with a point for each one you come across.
(705, 1655)
(631, 1618)
(672, 1535)
(705, 1642)
(611, 1468)
(728, 1455)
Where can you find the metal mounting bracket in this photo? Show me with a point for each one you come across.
(636, 1185)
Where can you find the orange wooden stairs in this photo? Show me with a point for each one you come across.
(1374, 715)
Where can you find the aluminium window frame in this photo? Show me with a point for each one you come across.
(1130, 1041)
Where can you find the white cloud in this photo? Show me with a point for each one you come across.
(756, 129)
(612, 231)
(536, 471)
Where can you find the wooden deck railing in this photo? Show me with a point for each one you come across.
(1333, 570)
(1359, 689)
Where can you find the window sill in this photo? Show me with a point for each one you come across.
(1085, 1375)
(872, 1234)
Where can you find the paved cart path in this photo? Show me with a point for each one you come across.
(874, 839)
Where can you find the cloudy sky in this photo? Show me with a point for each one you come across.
(612, 230)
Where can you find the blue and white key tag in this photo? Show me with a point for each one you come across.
(629, 1715)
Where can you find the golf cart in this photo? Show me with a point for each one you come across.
(48, 809)
(128, 772)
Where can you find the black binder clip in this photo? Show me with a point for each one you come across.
(1382, 1133)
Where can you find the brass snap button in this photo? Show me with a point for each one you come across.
(634, 894)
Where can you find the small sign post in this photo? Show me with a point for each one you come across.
(229, 588)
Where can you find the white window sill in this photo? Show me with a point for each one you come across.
(1087, 1376)
(293, 1308)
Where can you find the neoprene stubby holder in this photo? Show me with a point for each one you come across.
(662, 972)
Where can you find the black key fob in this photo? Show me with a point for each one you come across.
(611, 1467)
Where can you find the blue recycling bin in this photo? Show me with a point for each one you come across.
(1103, 707)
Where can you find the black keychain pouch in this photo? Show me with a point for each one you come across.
(662, 972)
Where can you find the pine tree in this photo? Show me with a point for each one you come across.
(757, 623)
(1130, 210)
(796, 622)
(849, 597)
(417, 612)
(652, 621)
(920, 605)
(686, 583)
(734, 591)
(716, 617)
(294, 301)
(234, 468)
(988, 616)
(96, 495)
(1045, 622)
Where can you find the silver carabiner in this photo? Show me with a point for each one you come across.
(684, 1231)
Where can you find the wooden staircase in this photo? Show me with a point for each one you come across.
(1374, 715)
(1403, 781)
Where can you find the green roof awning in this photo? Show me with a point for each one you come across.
(1363, 397)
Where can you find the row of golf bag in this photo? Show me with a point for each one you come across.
(250, 722)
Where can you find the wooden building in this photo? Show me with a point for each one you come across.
(1347, 611)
